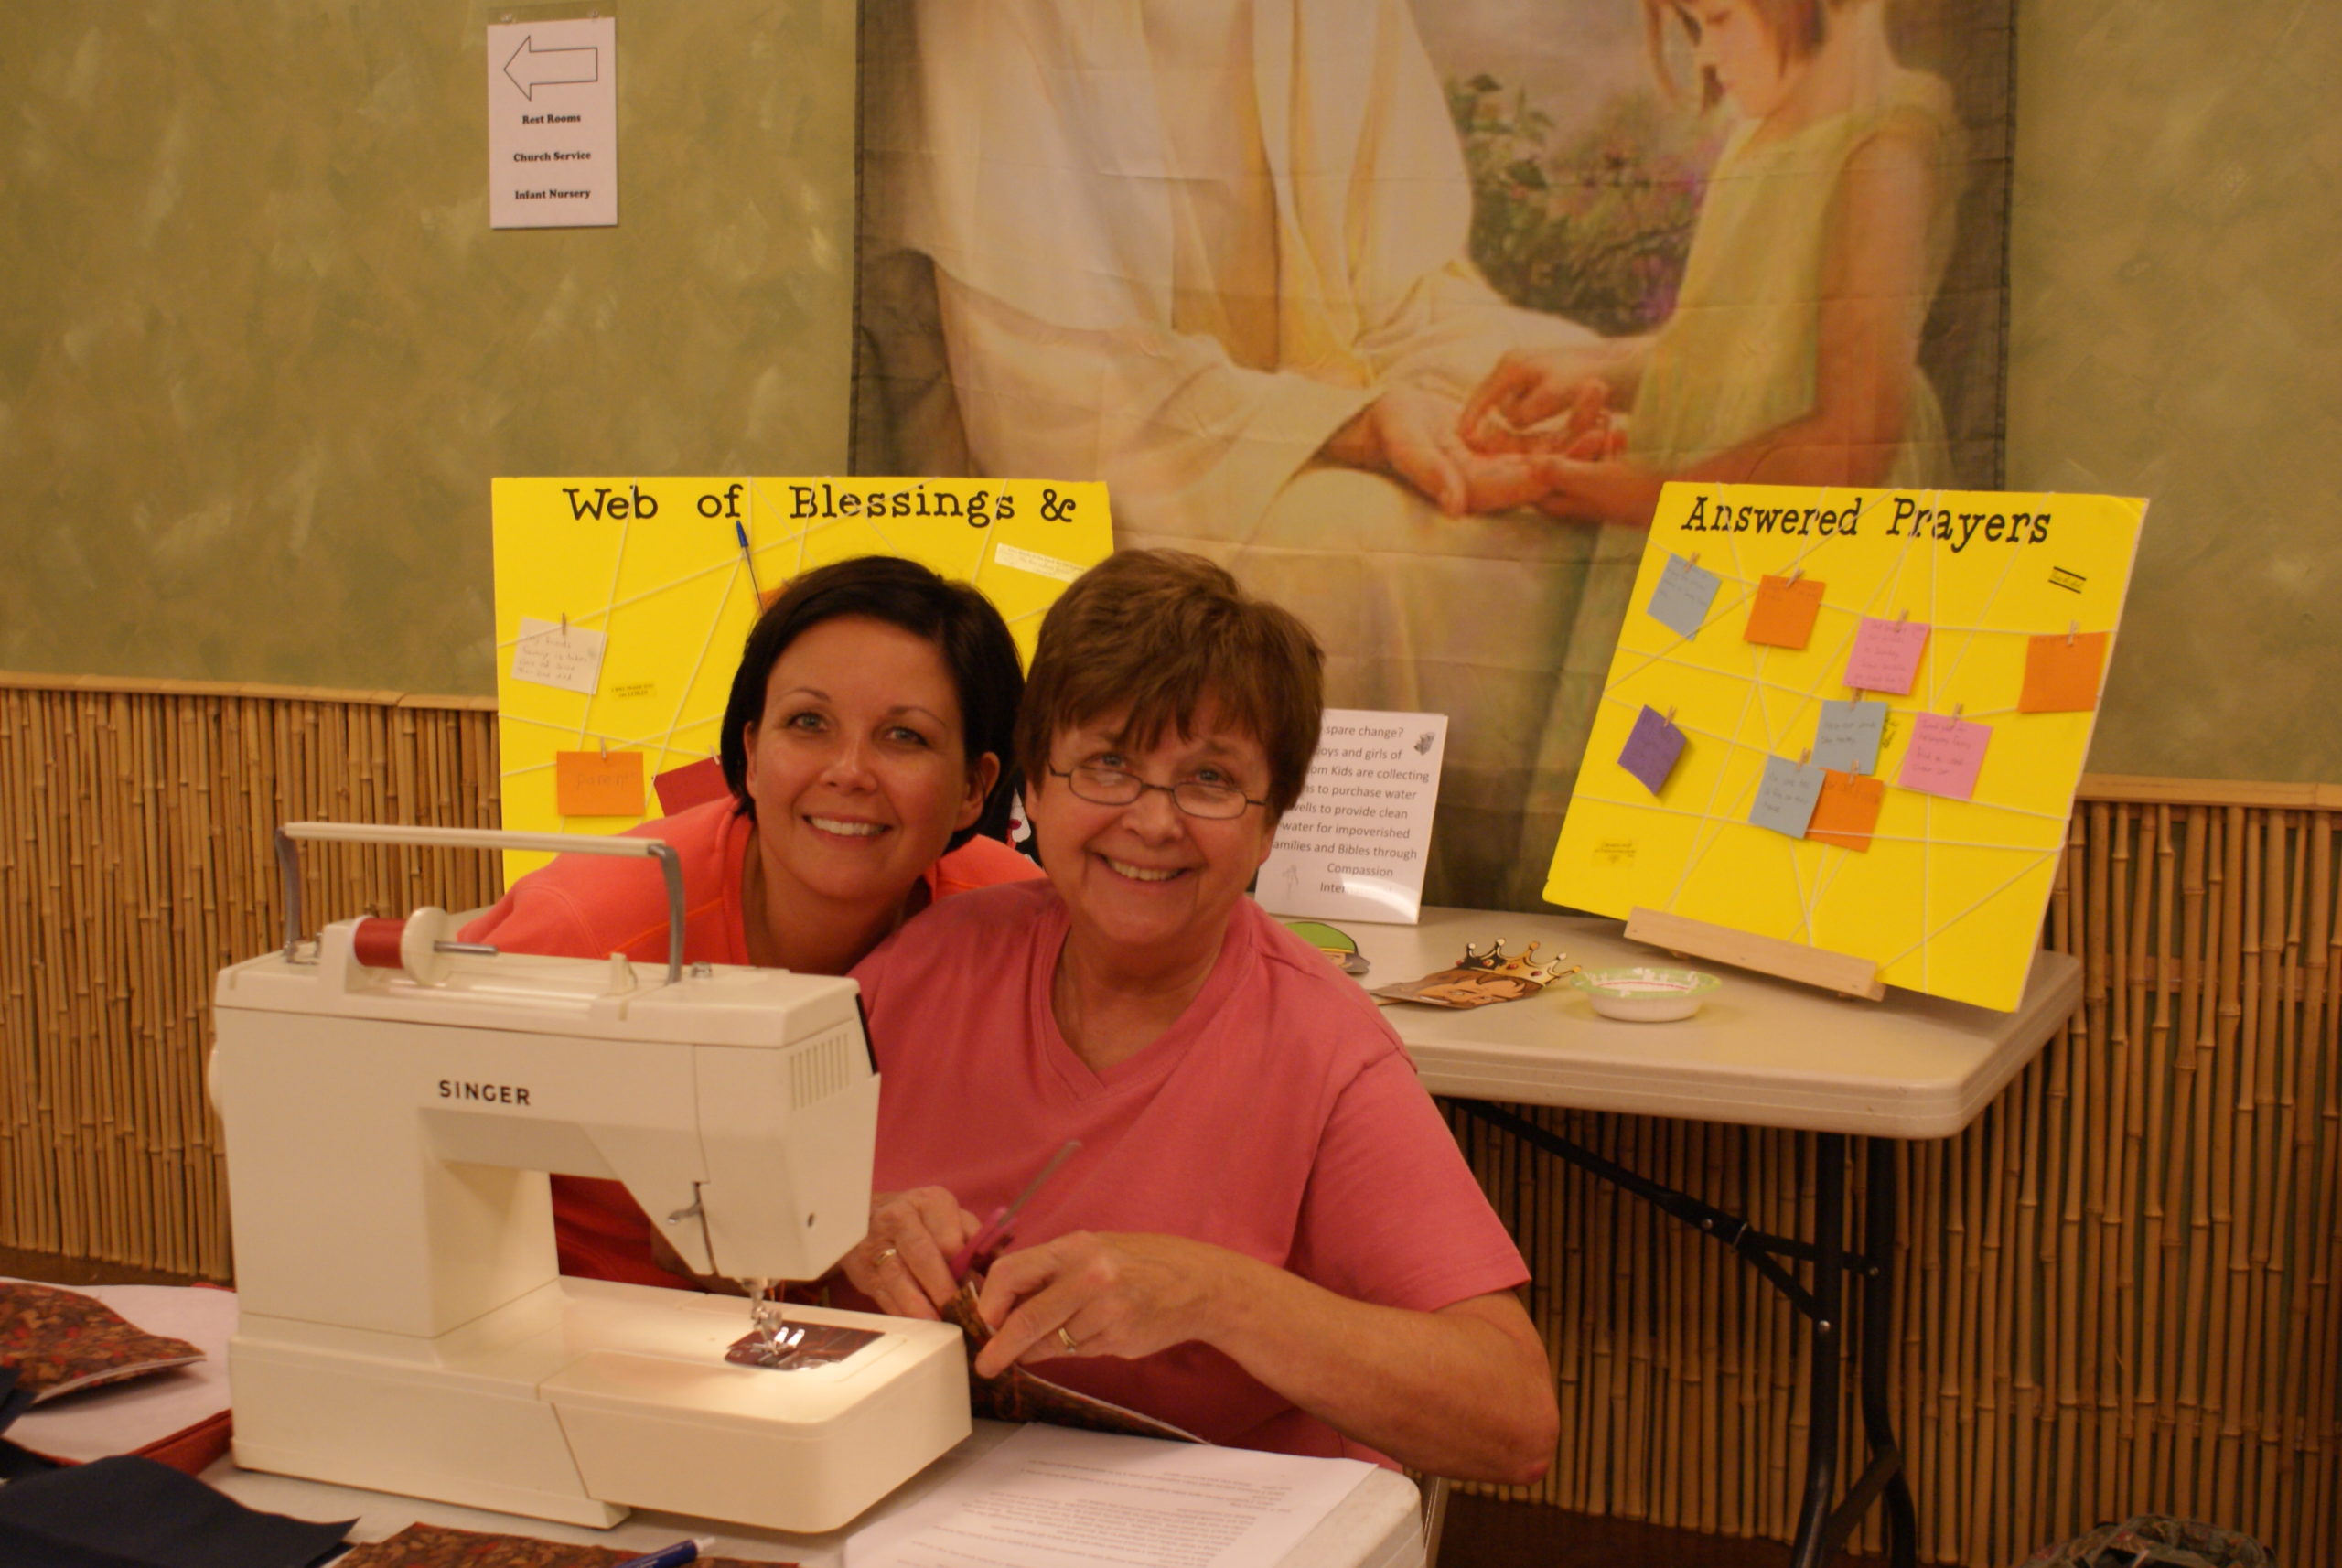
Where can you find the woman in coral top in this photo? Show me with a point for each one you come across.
(865, 747)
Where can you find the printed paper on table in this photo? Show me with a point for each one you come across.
(1948, 900)
(655, 566)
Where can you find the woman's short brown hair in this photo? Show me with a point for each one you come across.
(1160, 634)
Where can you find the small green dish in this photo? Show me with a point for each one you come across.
(1645, 995)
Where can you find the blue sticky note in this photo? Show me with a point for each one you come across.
(1651, 748)
(1786, 797)
(1680, 601)
(1848, 736)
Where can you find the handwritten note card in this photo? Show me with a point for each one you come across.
(1848, 736)
(550, 654)
(1846, 813)
(1782, 615)
(2061, 673)
(1680, 601)
(1353, 846)
(1652, 746)
(1945, 756)
(597, 783)
(1886, 655)
(1786, 796)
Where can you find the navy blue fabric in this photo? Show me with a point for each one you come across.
(127, 1512)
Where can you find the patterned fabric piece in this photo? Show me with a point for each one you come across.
(2152, 1541)
(60, 1341)
(435, 1546)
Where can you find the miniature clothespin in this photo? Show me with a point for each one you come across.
(1958, 709)
(1805, 757)
(1901, 614)
(606, 747)
(1795, 573)
(2073, 628)
(564, 623)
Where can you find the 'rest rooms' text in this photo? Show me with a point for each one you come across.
(1908, 519)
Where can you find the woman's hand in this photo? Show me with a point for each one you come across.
(904, 1263)
(1112, 1295)
(1463, 1392)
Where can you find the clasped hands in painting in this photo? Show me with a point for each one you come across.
(1539, 431)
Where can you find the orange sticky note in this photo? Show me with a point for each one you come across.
(597, 783)
(1847, 812)
(2061, 673)
(1782, 615)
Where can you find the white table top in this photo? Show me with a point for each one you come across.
(1762, 1052)
(1379, 1525)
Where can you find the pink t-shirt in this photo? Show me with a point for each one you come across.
(590, 906)
(1279, 1118)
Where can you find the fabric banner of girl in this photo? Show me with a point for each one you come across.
(1405, 311)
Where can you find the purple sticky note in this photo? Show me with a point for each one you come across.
(1886, 655)
(1652, 750)
(1684, 593)
(1786, 796)
(1944, 755)
(1848, 736)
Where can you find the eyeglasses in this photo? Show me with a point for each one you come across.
(1111, 787)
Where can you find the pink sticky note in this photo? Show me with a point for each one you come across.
(1944, 755)
(1886, 655)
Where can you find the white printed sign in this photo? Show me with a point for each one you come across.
(1353, 846)
(552, 125)
(551, 653)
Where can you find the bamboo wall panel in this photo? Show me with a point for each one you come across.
(137, 859)
(2117, 1286)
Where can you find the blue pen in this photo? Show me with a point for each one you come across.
(740, 529)
(674, 1556)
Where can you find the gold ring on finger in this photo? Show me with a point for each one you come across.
(1065, 1338)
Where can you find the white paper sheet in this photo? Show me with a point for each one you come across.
(553, 123)
(1355, 844)
(1047, 1497)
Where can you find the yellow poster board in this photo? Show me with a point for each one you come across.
(621, 603)
(1710, 749)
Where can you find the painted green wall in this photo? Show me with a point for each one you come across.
(261, 354)
(2177, 267)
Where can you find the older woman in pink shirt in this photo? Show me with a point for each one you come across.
(1268, 1235)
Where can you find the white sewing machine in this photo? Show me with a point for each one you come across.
(391, 1107)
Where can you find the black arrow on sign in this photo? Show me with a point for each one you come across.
(552, 67)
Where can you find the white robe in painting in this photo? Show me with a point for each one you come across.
(1175, 245)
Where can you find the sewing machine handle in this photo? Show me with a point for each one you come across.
(288, 860)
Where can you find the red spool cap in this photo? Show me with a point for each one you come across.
(376, 942)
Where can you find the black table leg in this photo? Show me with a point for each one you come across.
(1878, 1349)
(1813, 1546)
(1823, 1531)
